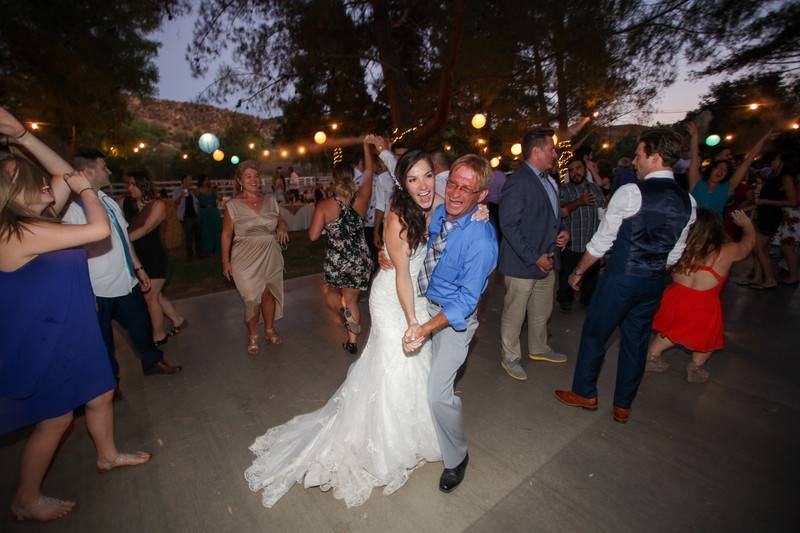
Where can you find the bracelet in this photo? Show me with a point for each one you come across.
(85, 189)
(576, 273)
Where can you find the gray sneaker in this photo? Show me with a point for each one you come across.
(514, 369)
(550, 357)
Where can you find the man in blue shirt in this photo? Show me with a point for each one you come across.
(461, 255)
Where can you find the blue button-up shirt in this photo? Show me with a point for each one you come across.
(460, 276)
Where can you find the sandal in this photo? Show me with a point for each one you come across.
(252, 347)
(124, 459)
(39, 510)
(350, 322)
(272, 336)
(177, 329)
(656, 364)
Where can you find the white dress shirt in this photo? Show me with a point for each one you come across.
(625, 203)
(384, 191)
(389, 160)
(107, 268)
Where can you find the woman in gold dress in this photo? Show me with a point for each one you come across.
(252, 235)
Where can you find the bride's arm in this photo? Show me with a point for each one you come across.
(399, 254)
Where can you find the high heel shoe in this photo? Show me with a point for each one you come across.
(349, 322)
(272, 336)
(174, 330)
(252, 347)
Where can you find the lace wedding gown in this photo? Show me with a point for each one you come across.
(377, 427)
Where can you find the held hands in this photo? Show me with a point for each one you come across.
(562, 239)
(413, 338)
(379, 142)
(545, 263)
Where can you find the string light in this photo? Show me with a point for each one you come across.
(185, 156)
(142, 145)
(284, 153)
(337, 155)
(729, 137)
(301, 150)
(753, 106)
(251, 145)
(334, 126)
(516, 149)
(564, 155)
(494, 162)
(136, 149)
(795, 126)
(265, 153)
(398, 136)
(320, 137)
(604, 146)
(478, 120)
(34, 125)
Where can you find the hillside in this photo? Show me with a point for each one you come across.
(184, 118)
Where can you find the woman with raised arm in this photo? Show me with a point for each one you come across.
(348, 264)
(712, 188)
(52, 355)
(691, 313)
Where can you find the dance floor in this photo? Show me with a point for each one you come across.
(716, 457)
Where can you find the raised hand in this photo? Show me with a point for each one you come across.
(692, 127)
(77, 181)
(9, 125)
(741, 219)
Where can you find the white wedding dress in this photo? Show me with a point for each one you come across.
(377, 427)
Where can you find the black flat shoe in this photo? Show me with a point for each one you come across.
(452, 477)
(350, 347)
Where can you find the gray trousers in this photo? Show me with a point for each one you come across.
(531, 296)
(449, 353)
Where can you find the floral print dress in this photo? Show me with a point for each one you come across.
(347, 261)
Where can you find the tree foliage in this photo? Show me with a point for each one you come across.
(404, 64)
(69, 63)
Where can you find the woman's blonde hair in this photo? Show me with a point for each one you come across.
(342, 181)
(17, 175)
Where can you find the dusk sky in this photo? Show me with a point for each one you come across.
(176, 81)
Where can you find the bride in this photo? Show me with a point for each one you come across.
(377, 427)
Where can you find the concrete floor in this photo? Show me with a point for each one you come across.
(714, 457)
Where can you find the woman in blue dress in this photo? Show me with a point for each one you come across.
(52, 355)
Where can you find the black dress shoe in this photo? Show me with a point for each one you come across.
(162, 367)
(452, 477)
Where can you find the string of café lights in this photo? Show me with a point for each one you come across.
(478, 121)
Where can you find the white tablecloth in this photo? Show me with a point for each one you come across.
(298, 221)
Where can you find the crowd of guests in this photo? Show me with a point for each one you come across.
(91, 261)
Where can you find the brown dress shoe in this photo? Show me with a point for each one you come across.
(162, 367)
(575, 400)
(621, 414)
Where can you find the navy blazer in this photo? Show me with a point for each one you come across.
(528, 224)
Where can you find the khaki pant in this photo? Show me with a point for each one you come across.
(534, 296)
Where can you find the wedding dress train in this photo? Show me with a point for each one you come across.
(377, 427)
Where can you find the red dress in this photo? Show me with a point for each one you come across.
(691, 317)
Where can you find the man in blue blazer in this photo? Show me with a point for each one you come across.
(533, 236)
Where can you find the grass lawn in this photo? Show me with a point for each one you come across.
(192, 277)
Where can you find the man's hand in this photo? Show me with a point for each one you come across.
(144, 279)
(384, 261)
(376, 240)
(575, 281)
(545, 263)
(481, 214)
(587, 198)
(562, 239)
(413, 338)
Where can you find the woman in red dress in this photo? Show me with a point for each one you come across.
(691, 313)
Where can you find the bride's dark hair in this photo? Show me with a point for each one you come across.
(412, 217)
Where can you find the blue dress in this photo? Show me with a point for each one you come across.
(52, 355)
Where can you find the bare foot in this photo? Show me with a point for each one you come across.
(44, 509)
(123, 459)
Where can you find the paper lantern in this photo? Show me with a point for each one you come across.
(495, 162)
(218, 155)
(235, 160)
(320, 137)
(478, 120)
(516, 149)
(713, 140)
(208, 143)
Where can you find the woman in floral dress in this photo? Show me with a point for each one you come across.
(788, 238)
(347, 263)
